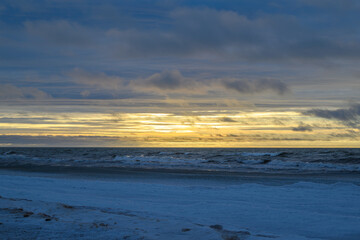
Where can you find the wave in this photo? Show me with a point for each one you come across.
(230, 160)
(263, 154)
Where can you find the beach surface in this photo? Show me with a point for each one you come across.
(158, 205)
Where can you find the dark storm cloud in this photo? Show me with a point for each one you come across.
(256, 86)
(342, 114)
(303, 128)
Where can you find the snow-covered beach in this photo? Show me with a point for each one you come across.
(159, 205)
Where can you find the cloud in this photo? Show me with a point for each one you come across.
(348, 134)
(227, 119)
(204, 32)
(169, 80)
(64, 141)
(98, 80)
(172, 81)
(303, 128)
(342, 114)
(85, 93)
(197, 32)
(256, 86)
(32, 120)
(8, 91)
(184, 30)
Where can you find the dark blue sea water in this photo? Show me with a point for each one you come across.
(200, 159)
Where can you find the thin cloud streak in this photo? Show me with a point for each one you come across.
(9, 92)
(98, 80)
(342, 114)
(256, 86)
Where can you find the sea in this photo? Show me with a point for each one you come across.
(224, 160)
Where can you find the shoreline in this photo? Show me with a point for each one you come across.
(141, 174)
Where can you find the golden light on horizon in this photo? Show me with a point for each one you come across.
(197, 129)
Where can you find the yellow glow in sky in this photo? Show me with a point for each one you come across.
(191, 129)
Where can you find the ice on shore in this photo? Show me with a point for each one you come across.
(43, 207)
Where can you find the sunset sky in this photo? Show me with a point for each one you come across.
(180, 73)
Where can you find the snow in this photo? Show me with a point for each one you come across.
(35, 206)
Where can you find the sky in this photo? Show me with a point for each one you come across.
(181, 73)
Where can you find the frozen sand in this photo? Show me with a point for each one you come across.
(66, 207)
